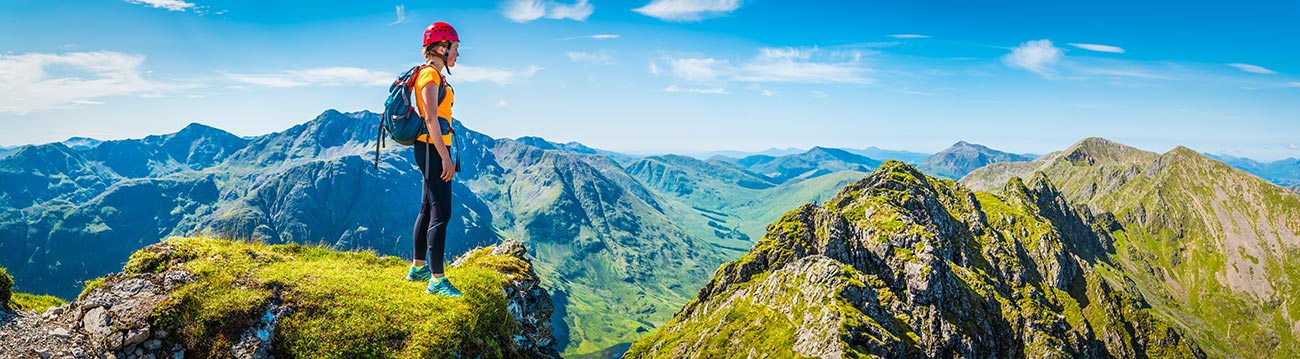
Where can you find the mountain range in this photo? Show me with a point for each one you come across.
(1284, 172)
(622, 242)
(1100, 250)
(618, 246)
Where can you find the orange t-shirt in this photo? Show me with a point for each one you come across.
(429, 76)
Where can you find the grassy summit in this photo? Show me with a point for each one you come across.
(344, 304)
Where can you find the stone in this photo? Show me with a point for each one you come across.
(44, 353)
(152, 345)
(136, 336)
(95, 322)
(60, 333)
(54, 312)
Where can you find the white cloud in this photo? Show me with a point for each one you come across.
(401, 15)
(593, 37)
(87, 102)
(324, 76)
(1037, 56)
(471, 74)
(599, 58)
(1099, 48)
(82, 76)
(170, 5)
(804, 66)
(529, 10)
(909, 36)
(577, 11)
(688, 10)
(502, 104)
(1292, 146)
(706, 91)
(654, 69)
(697, 69)
(1252, 69)
(1293, 84)
(819, 94)
(768, 93)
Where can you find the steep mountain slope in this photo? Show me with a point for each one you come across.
(904, 265)
(1213, 247)
(962, 157)
(815, 162)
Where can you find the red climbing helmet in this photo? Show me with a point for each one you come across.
(440, 31)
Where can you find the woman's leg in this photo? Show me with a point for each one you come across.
(440, 194)
(421, 232)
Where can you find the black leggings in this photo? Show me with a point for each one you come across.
(435, 207)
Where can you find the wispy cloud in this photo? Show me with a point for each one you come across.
(697, 69)
(1037, 56)
(1292, 146)
(1252, 68)
(593, 37)
(788, 65)
(1293, 84)
(909, 36)
(324, 76)
(472, 74)
(83, 76)
(170, 5)
(1099, 48)
(705, 91)
(688, 10)
(87, 102)
(804, 66)
(502, 104)
(599, 58)
(401, 15)
(529, 10)
(654, 69)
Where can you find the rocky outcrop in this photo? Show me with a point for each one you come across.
(111, 320)
(124, 315)
(904, 265)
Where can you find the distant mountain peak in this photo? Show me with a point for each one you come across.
(535, 141)
(963, 157)
(1093, 150)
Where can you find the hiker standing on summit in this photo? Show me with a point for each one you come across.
(441, 48)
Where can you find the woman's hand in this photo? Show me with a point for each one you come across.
(448, 169)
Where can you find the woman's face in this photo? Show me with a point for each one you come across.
(453, 53)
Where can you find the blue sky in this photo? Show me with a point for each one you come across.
(651, 76)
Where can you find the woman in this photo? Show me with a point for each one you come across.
(441, 48)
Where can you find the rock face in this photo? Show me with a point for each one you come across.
(904, 265)
(128, 315)
(1213, 246)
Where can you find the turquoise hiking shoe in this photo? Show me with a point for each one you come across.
(417, 274)
(442, 286)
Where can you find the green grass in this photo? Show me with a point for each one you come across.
(345, 304)
(34, 303)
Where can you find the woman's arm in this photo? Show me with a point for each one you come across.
(435, 131)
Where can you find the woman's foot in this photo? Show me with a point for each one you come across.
(442, 286)
(421, 273)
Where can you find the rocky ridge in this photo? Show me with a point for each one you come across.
(904, 265)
